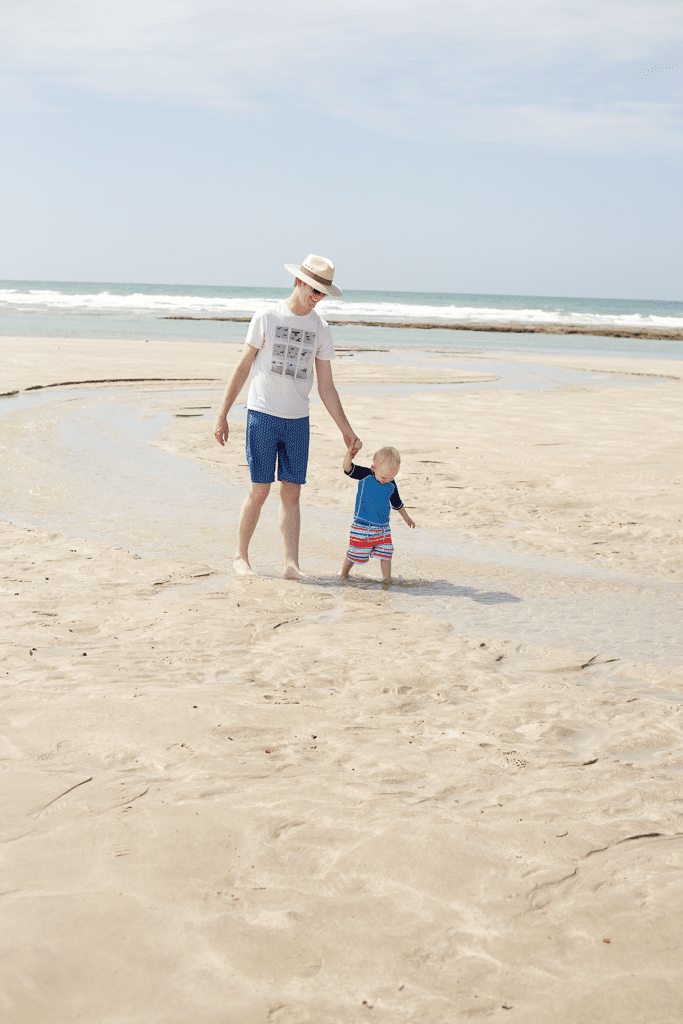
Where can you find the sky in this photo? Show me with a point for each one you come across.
(533, 148)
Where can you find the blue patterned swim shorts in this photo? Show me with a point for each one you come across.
(274, 438)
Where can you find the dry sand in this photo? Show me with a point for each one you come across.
(251, 801)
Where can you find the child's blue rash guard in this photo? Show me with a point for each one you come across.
(373, 499)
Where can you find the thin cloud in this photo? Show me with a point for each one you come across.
(536, 71)
(604, 128)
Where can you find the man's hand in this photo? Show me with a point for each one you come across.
(221, 430)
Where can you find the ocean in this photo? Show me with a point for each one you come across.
(104, 310)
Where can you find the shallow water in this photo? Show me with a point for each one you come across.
(84, 464)
(505, 373)
(98, 310)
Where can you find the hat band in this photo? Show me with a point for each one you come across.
(316, 277)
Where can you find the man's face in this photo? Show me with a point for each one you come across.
(310, 296)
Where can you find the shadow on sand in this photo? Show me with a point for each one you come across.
(420, 588)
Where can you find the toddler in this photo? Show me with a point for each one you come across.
(377, 495)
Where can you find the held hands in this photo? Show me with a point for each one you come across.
(353, 444)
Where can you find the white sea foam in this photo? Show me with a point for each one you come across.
(166, 304)
(137, 302)
(492, 314)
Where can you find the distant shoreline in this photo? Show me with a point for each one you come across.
(670, 333)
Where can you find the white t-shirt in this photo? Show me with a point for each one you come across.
(282, 372)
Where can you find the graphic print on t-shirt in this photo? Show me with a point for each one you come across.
(292, 353)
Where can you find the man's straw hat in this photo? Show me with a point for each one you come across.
(316, 271)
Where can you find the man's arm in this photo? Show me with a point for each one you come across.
(234, 386)
(330, 399)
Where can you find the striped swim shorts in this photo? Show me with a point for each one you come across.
(369, 540)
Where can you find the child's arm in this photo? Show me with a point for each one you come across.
(398, 506)
(402, 512)
(348, 459)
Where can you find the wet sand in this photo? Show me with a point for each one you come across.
(254, 800)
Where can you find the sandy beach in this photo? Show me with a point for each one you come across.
(255, 801)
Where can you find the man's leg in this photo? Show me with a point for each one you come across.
(290, 527)
(249, 517)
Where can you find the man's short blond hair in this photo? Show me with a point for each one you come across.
(388, 456)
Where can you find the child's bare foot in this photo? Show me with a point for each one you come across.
(241, 566)
(347, 566)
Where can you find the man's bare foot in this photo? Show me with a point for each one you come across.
(293, 572)
(241, 566)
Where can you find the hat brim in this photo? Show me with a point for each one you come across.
(303, 275)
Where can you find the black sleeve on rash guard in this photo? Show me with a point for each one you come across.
(359, 472)
(395, 499)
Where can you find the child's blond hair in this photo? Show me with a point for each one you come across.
(388, 456)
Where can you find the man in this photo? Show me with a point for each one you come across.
(282, 349)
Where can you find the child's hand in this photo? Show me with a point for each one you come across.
(406, 518)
